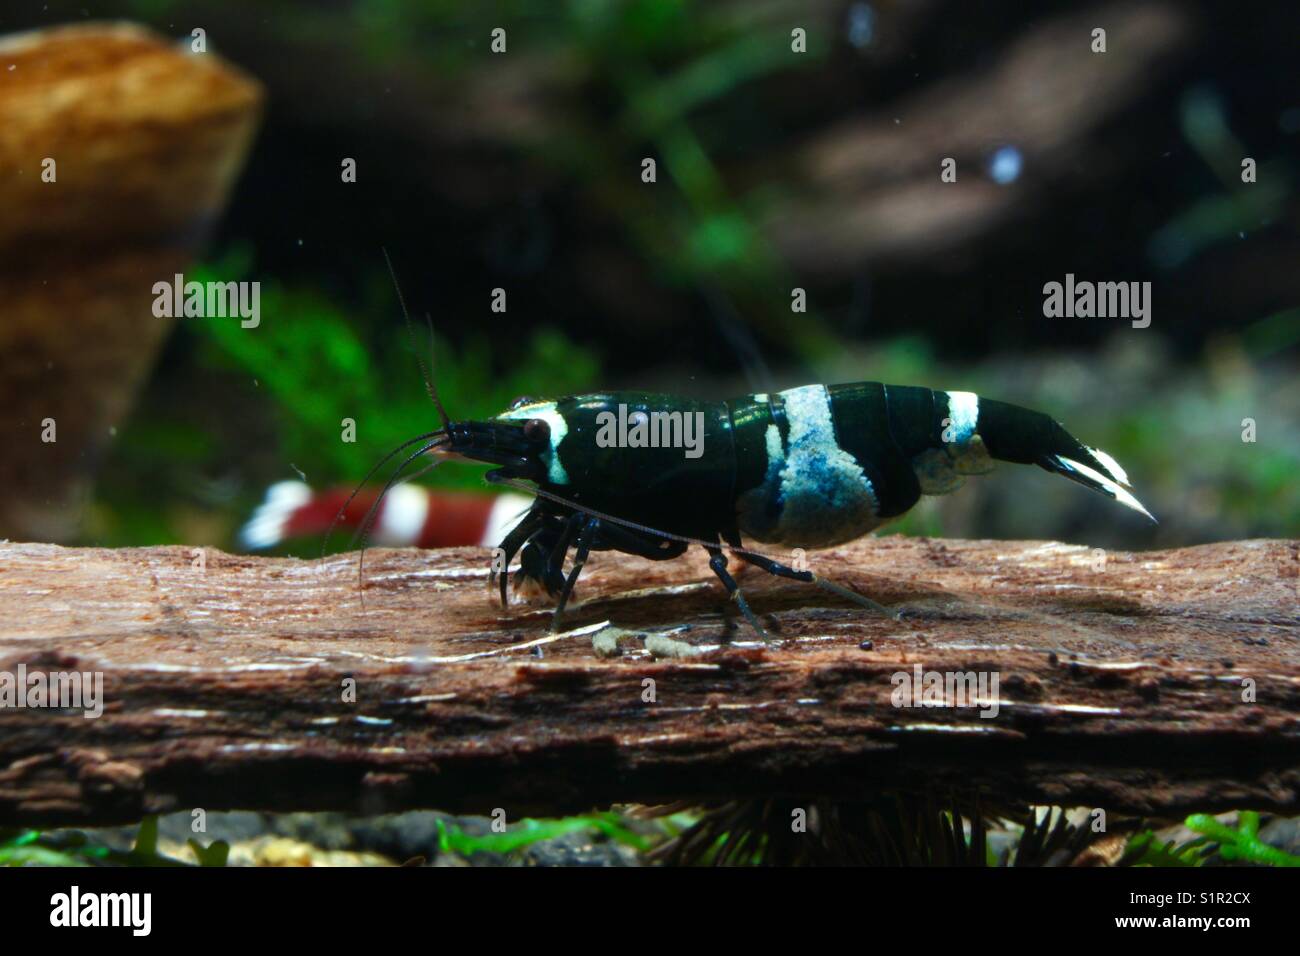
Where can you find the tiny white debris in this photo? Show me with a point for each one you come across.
(1111, 665)
(658, 739)
(425, 699)
(475, 572)
(1065, 708)
(949, 728)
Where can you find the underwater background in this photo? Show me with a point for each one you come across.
(818, 171)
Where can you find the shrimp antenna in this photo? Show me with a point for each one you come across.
(338, 516)
(429, 386)
(363, 532)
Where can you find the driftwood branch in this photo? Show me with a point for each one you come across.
(1122, 685)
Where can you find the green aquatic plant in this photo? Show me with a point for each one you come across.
(1234, 845)
(282, 399)
(73, 848)
(1147, 849)
(896, 830)
(312, 360)
(912, 830)
(525, 833)
(891, 829)
(24, 848)
(1243, 843)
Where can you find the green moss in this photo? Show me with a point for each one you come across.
(525, 833)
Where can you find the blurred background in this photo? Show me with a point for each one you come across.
(522, 170)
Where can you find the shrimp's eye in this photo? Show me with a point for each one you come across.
(521, 401)
(536, 430)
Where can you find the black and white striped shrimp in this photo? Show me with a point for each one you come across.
(809, 467)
